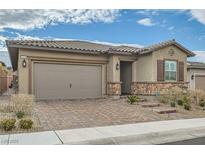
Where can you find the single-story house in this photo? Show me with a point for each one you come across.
(196, 75)
(81, 69)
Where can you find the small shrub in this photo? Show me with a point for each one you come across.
(170, 95)
(20, 114)
(180, 102)
(22, 103)
(185, 100)
(5, 108)
(8, 124)
(196, 95)
(202, 103)
(187, 106)
(26, 123)
(172, 104)
(132, 99)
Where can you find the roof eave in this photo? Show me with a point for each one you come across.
(196, 67)
(188, 52)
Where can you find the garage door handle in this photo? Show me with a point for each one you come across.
(70, 85)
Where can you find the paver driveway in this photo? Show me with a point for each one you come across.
(55, 115)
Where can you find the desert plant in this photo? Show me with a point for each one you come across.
(170, 95)
(185, 99)
(8, 124)
(187, 106)
(180, 102)
(132, 99)
(22, 103)
(172, 104)
(26, 123)
(196, 95)
(20, 114)
(202, 103)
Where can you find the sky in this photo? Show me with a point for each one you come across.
(128, 27)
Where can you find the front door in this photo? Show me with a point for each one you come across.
(126, 76)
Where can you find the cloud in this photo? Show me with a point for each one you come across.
(26, 37)
(31, 19)
(171, 28)
(146, 22)
(116, 44)
(16, 36)
(2, 43)
(200, 56)
(201, 37)
(3, 49)
(148, 12)
(199, 15)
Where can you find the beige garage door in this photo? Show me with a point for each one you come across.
(200, 82)
(59, 81)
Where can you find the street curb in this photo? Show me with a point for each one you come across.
(158, 132)
(147, 139)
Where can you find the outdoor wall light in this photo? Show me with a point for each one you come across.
(192, 77)
(117, 66)
(24, 63)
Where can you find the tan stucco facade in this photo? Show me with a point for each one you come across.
(144, 68)
(146, 65)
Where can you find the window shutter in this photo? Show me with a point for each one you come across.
(181, 71)
(160, 70)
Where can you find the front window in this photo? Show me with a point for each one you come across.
(170, 70)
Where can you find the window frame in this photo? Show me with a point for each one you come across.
(176, 70)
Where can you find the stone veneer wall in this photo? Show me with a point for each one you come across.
(150, 88)
(114, 88)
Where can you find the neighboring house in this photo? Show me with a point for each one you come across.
(196, 75)
(5, 77)
(80, 69)
(4, 57)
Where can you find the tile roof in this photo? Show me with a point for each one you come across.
(84, 46)
(162, 45)
(124, 48)
(74, 45)
(192, 64)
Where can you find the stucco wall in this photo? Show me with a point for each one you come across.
(163, 54)
(113, 75)
(144, 68)
(191, 72)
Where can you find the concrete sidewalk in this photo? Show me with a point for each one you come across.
(140, 133)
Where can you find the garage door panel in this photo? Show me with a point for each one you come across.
(56, 81)
(200, 82)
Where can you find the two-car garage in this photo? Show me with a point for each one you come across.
(67, 81)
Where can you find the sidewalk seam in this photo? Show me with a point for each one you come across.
(58, 137)
(8, 139)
